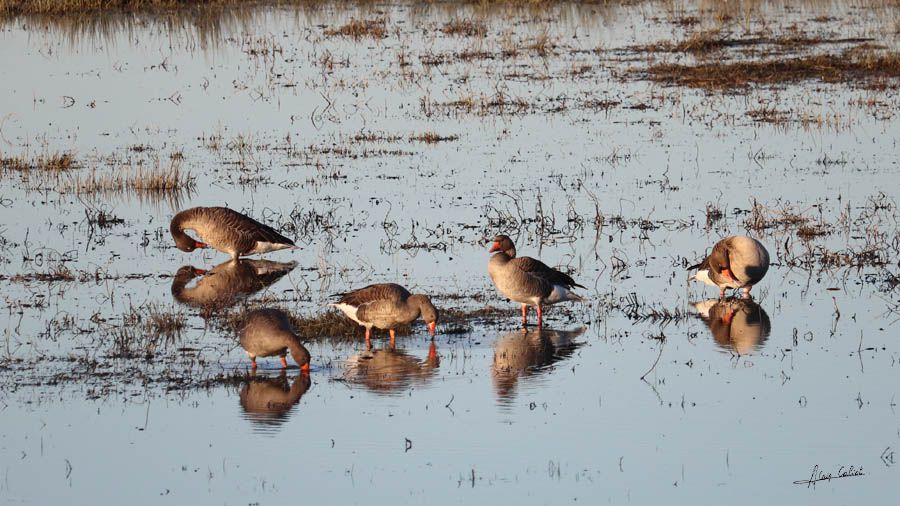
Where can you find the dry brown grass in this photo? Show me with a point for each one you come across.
(543, 43)
(55, 162)
(140, 179)
(433, 137)
(464, 28)
(11, 8)
(847, 67)
(710, 42)
(357, 29)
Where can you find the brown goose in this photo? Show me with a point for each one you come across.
(224, 284)
(387, 306)
(739, 326)
(227, 231)
(268, 401)
(735, 262)
(528, 281)
(268, 332)
(387, 371)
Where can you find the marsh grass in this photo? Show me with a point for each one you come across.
(155, 179)
(847, 67)
(433, 137)
(11, 8)
(46, 162)
(145, 330)
(711, 42)
(464, 28)
(56, 274)
(357, 29)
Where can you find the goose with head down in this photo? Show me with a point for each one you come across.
(225, 230)
(268, 332)
(387, 306)
(735, 262)
(528, 281)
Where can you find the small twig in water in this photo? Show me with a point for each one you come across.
(661, 345)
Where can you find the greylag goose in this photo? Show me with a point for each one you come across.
(735, 262)
(387, 306)
(737, 325)
(224, 284)
(227, 231)
(518, 354)
(267, 401)
(386, 371)
(268, 332)
(528, 281)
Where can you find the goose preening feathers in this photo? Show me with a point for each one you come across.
(387, 306)
(225, 230)
(528, 281)
(268, 332)
(735, 262)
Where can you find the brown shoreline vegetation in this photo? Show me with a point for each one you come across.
(13, 8)
(850, 66)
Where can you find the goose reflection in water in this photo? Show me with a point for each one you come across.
(520, 354)
(388, 370)
(227, 282)
(740, 326)
(267, 401)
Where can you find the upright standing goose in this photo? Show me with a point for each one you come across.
(268, 332)
(528, 281)
(387, 306)
(735, 262)
(227, 231)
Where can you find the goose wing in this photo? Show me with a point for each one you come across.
(247, 227)
(381, 291)
(544, 272)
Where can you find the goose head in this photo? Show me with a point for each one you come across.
(503, 243)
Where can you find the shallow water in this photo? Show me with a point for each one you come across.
(628, 397)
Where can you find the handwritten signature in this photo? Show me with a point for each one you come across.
(818, 475)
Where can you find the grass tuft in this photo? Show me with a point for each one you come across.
(357, 29)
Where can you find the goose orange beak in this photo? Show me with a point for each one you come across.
(305, 368)
(200, 272)
(726, 273)
(198, 244)
(494, 247)
(432, 328)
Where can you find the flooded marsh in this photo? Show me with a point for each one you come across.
(391, 142)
